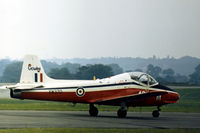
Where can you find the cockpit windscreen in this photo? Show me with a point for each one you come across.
(143, 78)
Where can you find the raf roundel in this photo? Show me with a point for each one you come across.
(80, 92)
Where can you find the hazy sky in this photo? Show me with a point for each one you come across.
(99, 28)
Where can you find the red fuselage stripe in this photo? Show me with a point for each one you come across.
(93, 96)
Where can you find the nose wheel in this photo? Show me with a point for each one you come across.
(93, 110)
(156, 113)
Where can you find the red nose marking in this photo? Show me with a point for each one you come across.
(171, 97)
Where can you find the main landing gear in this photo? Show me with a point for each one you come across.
(156, 113)
(93, 110)
(122, 112)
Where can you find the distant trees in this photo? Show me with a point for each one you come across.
(166, 75)
(12, 72)
(153, 70)
(72, 67)
(138, 70)
(195, 76)
(60, 73)
(168, 72)
(98, 70)
(3, 63)
(169, 75)
(84, 72)
(116, 69)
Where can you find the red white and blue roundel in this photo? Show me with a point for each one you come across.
(80, 92)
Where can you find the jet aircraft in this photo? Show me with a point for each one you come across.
(124, 90)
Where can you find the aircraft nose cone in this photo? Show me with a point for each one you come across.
(176, 96)
(172, 97)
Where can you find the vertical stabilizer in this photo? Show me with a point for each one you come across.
(32, 71)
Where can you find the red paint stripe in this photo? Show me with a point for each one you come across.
(94, 96)
(90, 97)
(41, 77)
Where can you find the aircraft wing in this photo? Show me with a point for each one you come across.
(131, 98)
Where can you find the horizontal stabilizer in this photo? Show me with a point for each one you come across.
(21, 87)
(3, 87)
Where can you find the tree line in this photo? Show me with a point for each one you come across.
(166, 75)
(12, 72)
(84, 72)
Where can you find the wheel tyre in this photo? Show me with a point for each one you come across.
(93, 111)
(121, 113)
(155, 113)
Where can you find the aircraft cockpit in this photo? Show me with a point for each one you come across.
(143, 78)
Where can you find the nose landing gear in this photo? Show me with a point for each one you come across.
(156, 113)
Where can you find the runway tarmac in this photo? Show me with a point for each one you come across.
(81, 119)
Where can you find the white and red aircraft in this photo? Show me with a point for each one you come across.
(124, 90)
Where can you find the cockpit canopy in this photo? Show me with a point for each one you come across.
(143, 78)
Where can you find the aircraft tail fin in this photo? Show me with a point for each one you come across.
(32, 71)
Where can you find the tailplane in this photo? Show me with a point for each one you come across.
(32, 71)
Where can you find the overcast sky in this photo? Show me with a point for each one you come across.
(99, 28)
